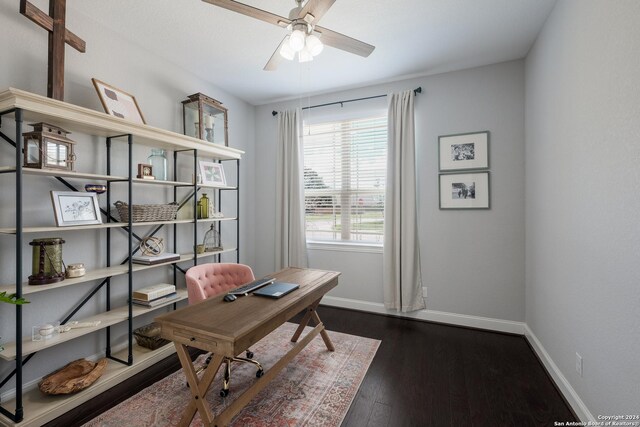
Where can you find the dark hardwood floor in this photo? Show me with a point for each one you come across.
(424, 374)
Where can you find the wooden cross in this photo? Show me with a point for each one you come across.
(54, 23)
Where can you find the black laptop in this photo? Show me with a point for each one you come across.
(276, 290)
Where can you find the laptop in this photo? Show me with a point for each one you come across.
(276, 290)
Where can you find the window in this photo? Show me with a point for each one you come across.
(345, 165)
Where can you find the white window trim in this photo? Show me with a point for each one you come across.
(320, 245)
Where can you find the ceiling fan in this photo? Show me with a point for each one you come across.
(306, 38)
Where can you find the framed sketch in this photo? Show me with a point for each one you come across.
(464, 151)
(212, 173)
(118, 102)
(75, 208)
(145, 171)
(464, 190)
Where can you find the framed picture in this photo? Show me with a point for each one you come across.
(212, 173)
(118, 103)
(75, 208)
(464, 190)
(145, 171)
(464, 151)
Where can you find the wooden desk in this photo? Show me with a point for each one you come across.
(227, 329)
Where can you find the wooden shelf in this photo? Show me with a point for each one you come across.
(183, 258)
(112, 178)
(179, 184)
(39, 409)
(161, 182)
(56, 229)
(91, 275)
(103, 273)
(217, 187)
(108, 318)
(182, 221)
(64, 174)
(37, 108)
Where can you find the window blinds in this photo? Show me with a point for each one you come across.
(344, 175)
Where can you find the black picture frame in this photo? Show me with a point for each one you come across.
(463, 151)
(464, 191)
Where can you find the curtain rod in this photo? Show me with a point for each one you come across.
(415, 92)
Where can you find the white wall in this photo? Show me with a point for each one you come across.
(159, 87)
(472, 261)
(583, 239)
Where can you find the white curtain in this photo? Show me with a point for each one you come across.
(401, 257)
(291, 243)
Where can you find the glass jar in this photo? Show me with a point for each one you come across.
(203, 207)
(158, 161)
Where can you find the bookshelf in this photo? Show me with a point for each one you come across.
(29, 407)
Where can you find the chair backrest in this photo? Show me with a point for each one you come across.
(208, 280)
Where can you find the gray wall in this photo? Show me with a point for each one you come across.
(583, 239)
(472, 261)
(159, 87)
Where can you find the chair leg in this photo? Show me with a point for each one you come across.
(203, 367)
(227, 377)
(206, 363)
(254, 362)
(224, 392)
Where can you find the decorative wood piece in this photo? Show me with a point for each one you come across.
(74, 377)
(54, 23)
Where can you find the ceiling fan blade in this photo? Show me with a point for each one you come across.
(251, 11)
(275, 59)
(317, 8)
(346, 43)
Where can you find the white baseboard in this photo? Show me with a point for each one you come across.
(561, 381)
(431, 315)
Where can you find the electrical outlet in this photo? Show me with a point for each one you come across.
(579, 364)
(424, 291)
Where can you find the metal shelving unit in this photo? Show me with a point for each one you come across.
(22, 106)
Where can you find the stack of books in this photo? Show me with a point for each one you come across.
(155, 259)
(155, 295)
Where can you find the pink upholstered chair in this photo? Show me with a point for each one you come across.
(210, 280)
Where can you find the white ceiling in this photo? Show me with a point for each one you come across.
(412, 37)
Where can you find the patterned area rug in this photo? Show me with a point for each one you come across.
(315, 389)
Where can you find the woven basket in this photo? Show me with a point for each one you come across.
(144, 213)
(149, 336)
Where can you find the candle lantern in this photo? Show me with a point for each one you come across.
(47, 261)
(47, 147)
(205, 118)
(211, 240)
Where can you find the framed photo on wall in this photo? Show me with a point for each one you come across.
(212, 173)
(75, 208)
(463, 151)
(464, 190)
(118, 102)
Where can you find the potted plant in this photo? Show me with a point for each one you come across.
(11, 299)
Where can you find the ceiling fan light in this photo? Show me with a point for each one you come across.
(314, 45)
(296, 40)
(286, 52)
(305, 56)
